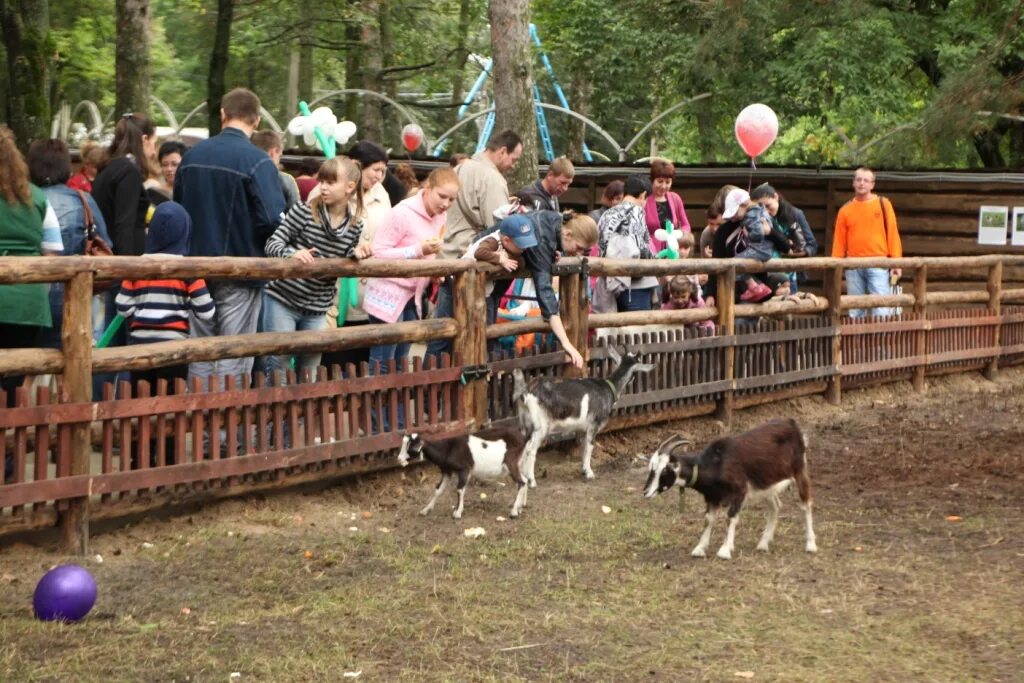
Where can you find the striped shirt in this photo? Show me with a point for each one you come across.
(158, 310)
(299, 231)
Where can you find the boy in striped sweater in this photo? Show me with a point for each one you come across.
(158, 309)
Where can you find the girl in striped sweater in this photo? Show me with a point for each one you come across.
(328, 227)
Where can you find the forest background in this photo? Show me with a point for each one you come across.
(896, 84)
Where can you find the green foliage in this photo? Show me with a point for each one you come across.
(852, 81)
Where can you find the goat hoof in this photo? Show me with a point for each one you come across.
(589, 474)
(812, 547)
(456, 515)
(697, 552)
(533, 483)
(763, 547)
(424, 512)
(725, 554)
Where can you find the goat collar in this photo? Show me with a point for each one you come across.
(693, 477)
(615, 392)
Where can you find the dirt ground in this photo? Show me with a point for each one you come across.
(920, 573)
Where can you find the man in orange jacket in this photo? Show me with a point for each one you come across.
(865, 228)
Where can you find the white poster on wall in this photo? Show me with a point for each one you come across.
(992, 222)
(1017, 227)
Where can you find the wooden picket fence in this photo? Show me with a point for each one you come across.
(142, 447)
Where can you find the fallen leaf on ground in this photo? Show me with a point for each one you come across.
(606, 510)
(744, 674)
(366, 514)
(952, 518)
(186, 611)
(308, 554)
(474, 532)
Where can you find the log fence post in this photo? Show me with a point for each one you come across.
(995, 290)
(469, 309)
(725, 298)
(573, 304)
(921, 338)
(834, 293)
(76, 341)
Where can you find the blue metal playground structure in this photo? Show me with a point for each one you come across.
(542, 122)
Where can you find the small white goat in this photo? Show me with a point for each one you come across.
(487, 454)
(760, 463)
(579, 406)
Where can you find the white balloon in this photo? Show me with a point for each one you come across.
(344, 131)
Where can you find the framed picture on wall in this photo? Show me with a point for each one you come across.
(992, 221)
(1017, 227)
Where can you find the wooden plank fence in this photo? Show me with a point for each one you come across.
(146, 446)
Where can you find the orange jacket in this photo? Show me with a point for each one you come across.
(860, 230)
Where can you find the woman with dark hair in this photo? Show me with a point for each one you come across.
(611, 196)
(49, 167)
(169, 157)
(28, 227)
(119, 187)
(664, 205)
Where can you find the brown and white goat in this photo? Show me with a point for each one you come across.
(579, 406)
(760, 463)
(487, 454)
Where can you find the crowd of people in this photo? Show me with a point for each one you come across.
(228, 196)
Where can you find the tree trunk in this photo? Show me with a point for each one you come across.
(987, 146)
(1016, 144)
(389, 117)
(131, 58)
(353, 75)
(219, 63)
(576, 130)
(460, 58)
(26, 35)
(372, 127)
(513, 83)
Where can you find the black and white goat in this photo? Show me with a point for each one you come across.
(760, 463)
(487, 454)
(579, 406)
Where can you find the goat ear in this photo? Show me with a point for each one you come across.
(614, 354)
(644, 367)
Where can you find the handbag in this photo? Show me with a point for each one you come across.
(94, 244)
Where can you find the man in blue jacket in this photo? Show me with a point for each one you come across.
(231, 190)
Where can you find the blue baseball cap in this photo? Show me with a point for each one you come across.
(520, 228)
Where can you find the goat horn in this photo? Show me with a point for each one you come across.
(671, 442)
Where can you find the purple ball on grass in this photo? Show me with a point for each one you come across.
(65, 593)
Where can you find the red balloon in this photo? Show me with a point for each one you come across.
(412, 137)
(756, 129)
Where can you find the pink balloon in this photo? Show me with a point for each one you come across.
(412, 137)
(756, 129)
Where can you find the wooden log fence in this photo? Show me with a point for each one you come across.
(72, 459)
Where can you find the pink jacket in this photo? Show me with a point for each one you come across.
(401, 236)
(676, 209)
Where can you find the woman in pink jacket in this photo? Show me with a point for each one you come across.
(663, 204)
(412, 230)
